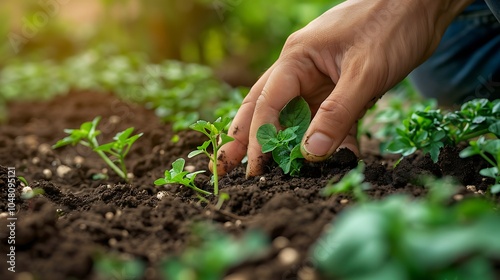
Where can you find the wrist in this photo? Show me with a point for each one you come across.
(442, 12)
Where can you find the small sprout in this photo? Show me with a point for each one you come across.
(119, 148)
(285, 144)
(217, 137)
(27, 192)
(222, 198)
(177, 175)
(351, 182)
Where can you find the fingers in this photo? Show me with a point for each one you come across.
(231, 154)
(282, 86)
(335, 121)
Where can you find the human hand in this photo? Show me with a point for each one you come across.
(341, 64)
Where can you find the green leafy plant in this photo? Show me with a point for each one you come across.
(285, 144)
(87, 134)
(177, 175)
(353, 182)
(216, 138)
(214, 255)
(489, 150)
(401, 237)
(431, 130)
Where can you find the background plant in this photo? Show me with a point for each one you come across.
(284, 145)
(430, 130)
(87, 134)
(489, 150)
(403, 238)
(214, 254)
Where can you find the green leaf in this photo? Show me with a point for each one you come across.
(265, 133)
(225, 139)
(296, 113)
(160, 182)
(200, 126)
(495, 128)
(495, 188)
(178, 165)
(106, 147)
(195, 153)
(122, 136)
(270, 145)
(491, 172)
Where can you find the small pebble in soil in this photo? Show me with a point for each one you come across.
(44, 149)
(118, 213)
(228, 224)
(125, 233)
(78, 160)
(262, 179)
(306, 273)
(62, 170)
(130, 176)
(82, 226)
(280, 242)
(208, 212)
(190, 168)
(344, 201)
(35, 160)
(458, 197)
(47, 173)
(104, 171)
(471, 188)
(237, 223)
(162, 152)
(288, 256)
(29, 142)
(109, 216)
(4, 215)
(112, 242)
(161, 195)
(114, 119)
(479, 192)
(26, 190)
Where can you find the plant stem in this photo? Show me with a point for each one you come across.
(214, 162)
(471, 135)
(109, 162)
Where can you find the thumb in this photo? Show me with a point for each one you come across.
(336, 118)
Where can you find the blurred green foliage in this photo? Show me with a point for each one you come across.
(241, 35)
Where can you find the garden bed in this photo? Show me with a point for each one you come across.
(61, 234)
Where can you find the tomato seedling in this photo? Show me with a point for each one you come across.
(285, 144)
(216, 138)
(484, 147)
(179, 176)
(119, 148)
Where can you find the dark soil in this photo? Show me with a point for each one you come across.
(59, 234)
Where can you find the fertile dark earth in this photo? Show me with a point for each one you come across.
(59, 234)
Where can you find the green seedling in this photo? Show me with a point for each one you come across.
(119, 148)
(400, 237)
(489, 150)
(353, 182)
(431, 130)
(177, 175)
(215, 254)
(28, 192)
(216, 138)
(285, 144)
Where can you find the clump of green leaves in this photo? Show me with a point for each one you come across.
(405, 238)
(284, 145)
(353, 182)
(489, 150)
(177, 175)
(214, 255)
(87, 134)
(430, 130)
(217, 136)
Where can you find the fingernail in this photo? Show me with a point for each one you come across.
(318, 144)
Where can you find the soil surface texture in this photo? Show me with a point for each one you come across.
(59, 234)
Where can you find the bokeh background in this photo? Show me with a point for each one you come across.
(236, 38)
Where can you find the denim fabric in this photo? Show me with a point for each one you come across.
(466, 64)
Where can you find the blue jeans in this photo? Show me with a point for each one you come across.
(466, 64)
